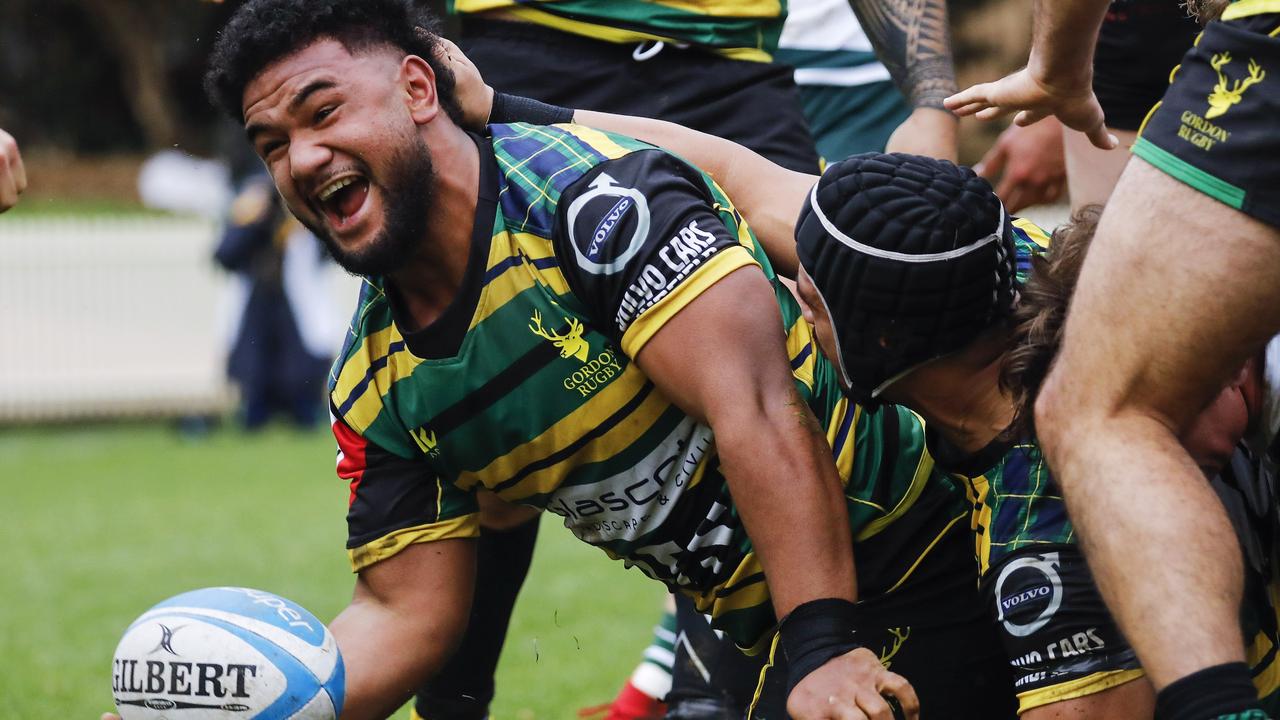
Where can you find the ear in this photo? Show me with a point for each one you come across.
(418, 84)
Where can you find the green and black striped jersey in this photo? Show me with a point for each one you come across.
(741, 29)
(584, 245)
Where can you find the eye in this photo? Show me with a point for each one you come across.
(324, 113)
(270, 147)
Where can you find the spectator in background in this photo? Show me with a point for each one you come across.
(13, 176)
(277, 356)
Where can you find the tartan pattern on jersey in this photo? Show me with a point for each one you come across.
(1016, 503)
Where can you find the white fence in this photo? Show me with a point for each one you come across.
(111, 317)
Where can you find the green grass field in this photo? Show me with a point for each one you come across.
(104, 521)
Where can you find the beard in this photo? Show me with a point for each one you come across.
(407, 200)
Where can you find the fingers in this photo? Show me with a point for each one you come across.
(1028, 117)
(1102, 139)
(963, 102)
(992, 112)
(109, 716)
(897, 686)
(841, 710)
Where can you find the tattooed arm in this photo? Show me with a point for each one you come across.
(912, 39)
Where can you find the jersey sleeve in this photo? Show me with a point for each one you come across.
(638, 238)
(396, 502)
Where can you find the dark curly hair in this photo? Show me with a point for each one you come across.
(1041, 312)
(264, 31)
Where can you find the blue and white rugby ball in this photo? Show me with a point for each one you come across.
(227, 652)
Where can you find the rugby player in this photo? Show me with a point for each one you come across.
(1151, 337)
(535, 299)
(973, 373)
(13, 175)
(705, 66)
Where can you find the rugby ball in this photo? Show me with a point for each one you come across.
(227, 652)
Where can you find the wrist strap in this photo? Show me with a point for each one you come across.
(1223, 692)
(814, 633)
(514, 108)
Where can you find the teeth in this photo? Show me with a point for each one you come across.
(328, 190)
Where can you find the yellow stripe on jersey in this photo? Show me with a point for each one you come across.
(466, 526)
(1265, 679)
(643, 328)
(1247, 8)
(598, 141)
(1033, 231)
(764, 674)
(798, 338)
(1080, 687)
(398, 366)
(765, 9)
(924, 469)
(975, 492)
(919, 559)
(582, 420)
(513, 282)
(613, 34)
(753, 593)
(844, 461)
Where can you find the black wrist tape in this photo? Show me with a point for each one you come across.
(814, 633)
(514, 108)
(1222, 691)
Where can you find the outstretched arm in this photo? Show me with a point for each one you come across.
(1058, 78)
(405, 618)
(912, 38)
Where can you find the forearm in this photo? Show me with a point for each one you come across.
(782, 480)
(912, 39)
(768, 195)
(405, 619)
(1064, 34)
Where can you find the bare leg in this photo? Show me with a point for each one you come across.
(1092, 173)
(1176, 292)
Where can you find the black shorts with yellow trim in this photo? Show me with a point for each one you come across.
(932, 629)
(1218, 127)
(1060, 639)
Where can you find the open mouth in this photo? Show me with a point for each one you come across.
(342, 198)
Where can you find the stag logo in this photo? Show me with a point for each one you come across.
(1221, 99)
(570, 344)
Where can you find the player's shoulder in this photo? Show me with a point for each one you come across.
(1029, 240)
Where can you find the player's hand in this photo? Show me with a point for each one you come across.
(13, 176)
(850, 687)
(474, 96)
(109, 716)
(1029, 163)
(926, 131)
(1034, 99)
